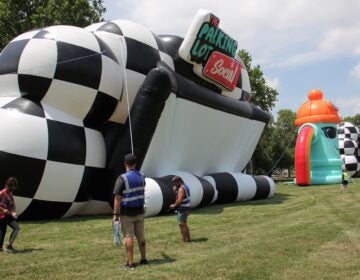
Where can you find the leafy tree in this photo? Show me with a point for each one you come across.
(284, 136)
(354, 120)
(263, 157)
(19, 16)
(264, 97)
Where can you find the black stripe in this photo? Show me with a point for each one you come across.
(208, 192)
(26, 106)
(111, 27)
(59, 133)
(10, 57)
(226, 186)
(262, 187)
(29, 171)
(33, 87)
(140, 57)
(165, 184)
(44, 210)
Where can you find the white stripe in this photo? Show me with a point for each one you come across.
(133, 190)
(133, 198)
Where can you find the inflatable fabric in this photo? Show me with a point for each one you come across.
(317, 158)
(74, 101)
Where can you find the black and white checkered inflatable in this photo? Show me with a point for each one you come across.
(64, 99)
(349, 144)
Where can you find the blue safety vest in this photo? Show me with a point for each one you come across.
(133, 193)
(186, 202)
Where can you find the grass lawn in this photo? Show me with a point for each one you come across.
(301, 233)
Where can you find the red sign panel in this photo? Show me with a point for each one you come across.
(223, 69)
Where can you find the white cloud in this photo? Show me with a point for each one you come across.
(276, 32)
(273, 82)
(349, 106)
(355, 72)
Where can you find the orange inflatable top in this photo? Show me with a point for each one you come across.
(317, 110)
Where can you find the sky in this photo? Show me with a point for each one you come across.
(299, 45)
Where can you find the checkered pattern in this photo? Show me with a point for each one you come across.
(60, 98)
(49, 157)
(351, 164)
(349, 145)
(59, 85)
(348, 130)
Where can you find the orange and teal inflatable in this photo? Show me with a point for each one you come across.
(317, 157)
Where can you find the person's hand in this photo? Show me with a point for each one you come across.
(172, 206)
(14, 215)
(115, 218)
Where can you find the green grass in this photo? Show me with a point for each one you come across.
(302, 233)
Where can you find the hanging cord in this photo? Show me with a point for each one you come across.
(283, 153)
(127, 99)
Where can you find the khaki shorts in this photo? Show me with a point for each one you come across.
(132, 225)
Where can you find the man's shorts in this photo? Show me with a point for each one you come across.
(182, 216)
(132, 225)
(345, 182)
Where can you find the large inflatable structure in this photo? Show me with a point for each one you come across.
(317, 158)
(349, 145)
(74, 101)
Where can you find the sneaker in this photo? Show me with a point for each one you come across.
(9, 248)
(130, 266)
(144, 261)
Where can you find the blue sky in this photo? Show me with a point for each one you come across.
(299, 44)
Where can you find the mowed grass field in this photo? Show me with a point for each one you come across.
(301, 233)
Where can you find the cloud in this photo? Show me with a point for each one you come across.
(348, 106)
(355, 72)
(273, 82)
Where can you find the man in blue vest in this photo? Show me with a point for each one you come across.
(182, 205)
(129, 208)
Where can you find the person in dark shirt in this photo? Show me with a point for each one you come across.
(129, 209)
(8, 214)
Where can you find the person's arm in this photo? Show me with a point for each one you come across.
(117, 203)
(118, 190)
(180, 197)
(13, 206)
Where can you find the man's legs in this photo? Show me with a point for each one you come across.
(129, 247)
(15, 227)
(127, 227)
(3, 226)
(184, 229)
(139, 233)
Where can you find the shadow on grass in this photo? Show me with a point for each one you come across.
(219, 208)
(277, 199)
(165, 259)
(72, 219)
(197, 240)
(27, 250)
